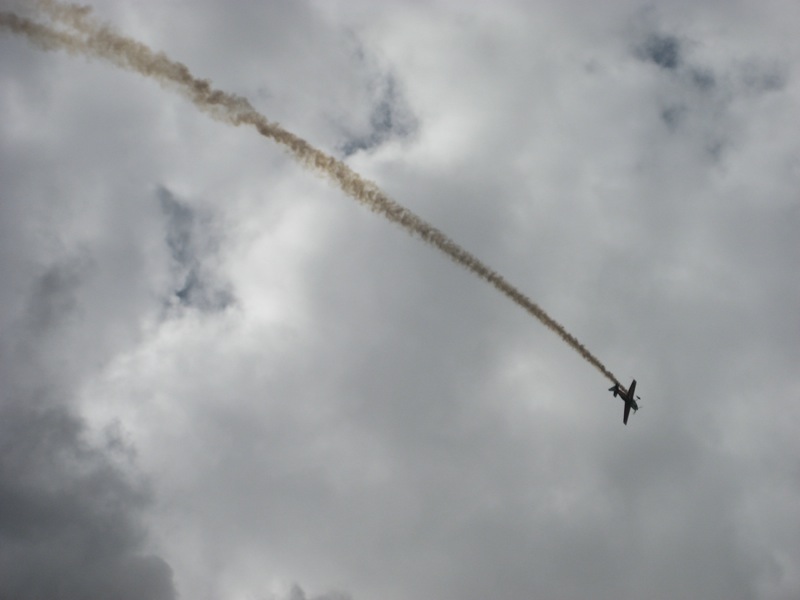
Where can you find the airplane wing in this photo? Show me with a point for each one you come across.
(632, 389)
(627, 411)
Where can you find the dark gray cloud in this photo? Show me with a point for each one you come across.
(389, 114)
(682, 57)
(191, 241)
(702, 78)
(69, 523)
(389, 118)
(663, 51)
(696, 92)
(762, 76)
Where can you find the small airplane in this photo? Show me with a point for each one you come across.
(627, 397)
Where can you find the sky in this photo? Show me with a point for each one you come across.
(223, 378)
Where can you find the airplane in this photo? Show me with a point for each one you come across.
(627, 397)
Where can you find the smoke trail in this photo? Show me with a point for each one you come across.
(94, 39)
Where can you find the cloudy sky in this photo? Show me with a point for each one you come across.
(222, 378)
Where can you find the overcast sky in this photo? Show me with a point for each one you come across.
(222, 378)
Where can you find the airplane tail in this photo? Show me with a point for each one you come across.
(614, 389)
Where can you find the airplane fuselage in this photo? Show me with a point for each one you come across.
(634, 405)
